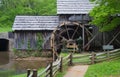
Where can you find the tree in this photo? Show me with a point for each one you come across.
(10, 8)
(106, 14)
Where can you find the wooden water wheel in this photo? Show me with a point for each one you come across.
(65, 35)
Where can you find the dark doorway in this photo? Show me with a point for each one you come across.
(4, 45)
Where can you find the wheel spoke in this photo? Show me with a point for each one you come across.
(75, 32)
(67, 32)
(59, 35)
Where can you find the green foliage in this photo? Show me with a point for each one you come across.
(105, 69)
(10, 8)
(28, 45)
(29, 49)
(105, 14)
(14, 51)
(39, 41)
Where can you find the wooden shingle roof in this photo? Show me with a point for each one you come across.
(35, 23)
(74, 6)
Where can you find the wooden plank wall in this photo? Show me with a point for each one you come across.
(84, 18)
(46, 36)
(23, 37)
(103, 38)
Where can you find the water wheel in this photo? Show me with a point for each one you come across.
(65, 36)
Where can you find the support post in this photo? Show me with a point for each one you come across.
(51, 71)
(34, 73)
(93, 57)
(61, 64)
(108, 55)
(70, 62)
(28, 72)
(83, 35)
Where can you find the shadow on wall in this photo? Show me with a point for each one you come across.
(4, 45)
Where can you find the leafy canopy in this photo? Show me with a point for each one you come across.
(10, 8)
(106, 14)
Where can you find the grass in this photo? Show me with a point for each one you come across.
(21, 75)
(85, 59)
(80, 60)
(105, 69)
(7, 73)
(10, 73)
(65, 67)
(61, 74)
(64, 54)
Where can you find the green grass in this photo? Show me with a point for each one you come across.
(105, 69)
(80, 60)
(21, 75)
(61, 74)
(7, 73)
(65, 67)
(64, 54)
(10, 73)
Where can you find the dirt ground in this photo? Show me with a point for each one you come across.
(77, 71)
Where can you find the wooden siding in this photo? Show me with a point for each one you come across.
(46, 36)
(104, 38)
(74, 6)
(22, 38)
(83, 18)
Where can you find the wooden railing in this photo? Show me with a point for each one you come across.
(106, 56)
(51, 69)
(81, 59)
(96, 57)
(56, 66)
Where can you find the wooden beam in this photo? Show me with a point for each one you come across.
(83, 35)
(91, 40)
(114, 38)
(67, 31)
(53, 46)
(75, 31)
(88, 31)
(118, 41)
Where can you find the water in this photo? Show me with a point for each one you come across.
(20, 66)
(4, 58)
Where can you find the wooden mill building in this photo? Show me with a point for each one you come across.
(70, 13)
(27, 29)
